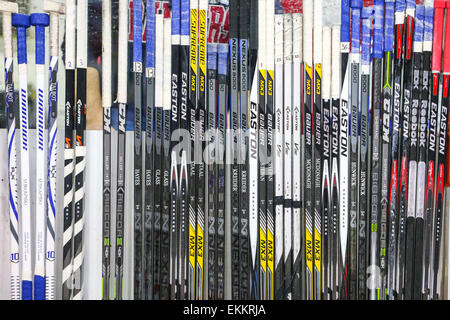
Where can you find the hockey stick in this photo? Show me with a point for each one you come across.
(317, 159)
(159, 69)
(122, 101)
(234, 125)
(54, 9)
(137, 214)
(395, 141)
(376, 144)
(244, 253)
(174, 125)
(411, 227)
(167, 165)
(80, 149)
(69, 152)
(262, 153)
(335, 127)
(355, 60)
(388, 219)
(422, 150)
(107, 102)
(222, 75)
(343, 148)
(432, 145)
(309, 132)
(270, 186)
(40, 21)
(287, 161)
(364, 179)
(442, 139)
(405, 144)
(278, 161)
(212, 168)
(195, 275)
(184, 185)
(326, 143)
(149, 198)
(7, 9)
(200, 117)
(22, 22)
(253, 167)
(296, 223)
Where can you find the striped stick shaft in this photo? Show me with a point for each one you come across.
(69, 153)
(80, 149)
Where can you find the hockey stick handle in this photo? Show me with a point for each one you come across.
(446, 67)
(326, 65)
(7, 8)
(184, 23)
(137, 35)
(70, 34)
(222, 53)
(123, 52)
(81, 48)
(150, 43)
(356, 6)
(175, 21)
(54, 9)
(307, 32)
(345, 23)
(21, 22)
(378, 29)
(428, 28)
(106, 56)
(318, 16)
(439, 6)
(389, 26)
(366, 16)
(335, 62)
(418, 28)
(40, 21)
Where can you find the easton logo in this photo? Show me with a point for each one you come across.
(344, 129)
(254, 126)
